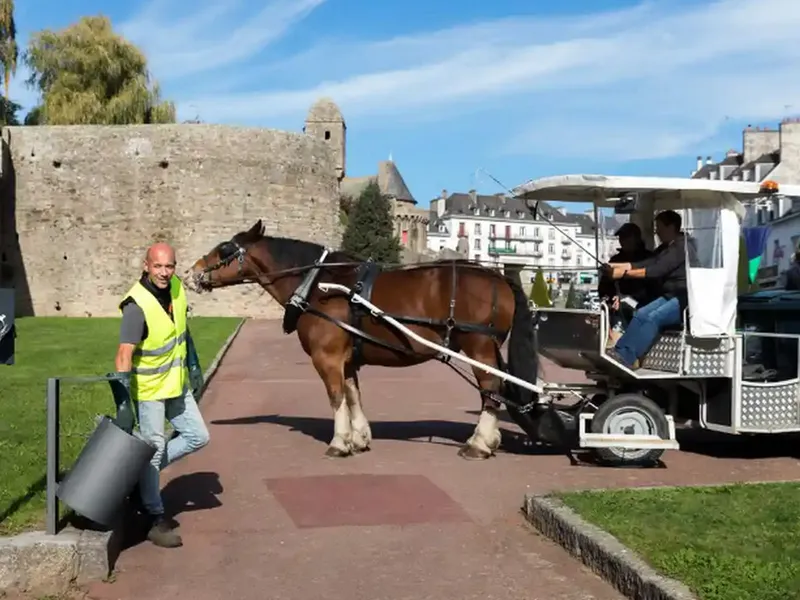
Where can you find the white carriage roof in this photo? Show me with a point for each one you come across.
(604, 189)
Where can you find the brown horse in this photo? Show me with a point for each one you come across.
(458, 304)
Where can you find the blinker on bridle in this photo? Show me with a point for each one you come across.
(227, 252)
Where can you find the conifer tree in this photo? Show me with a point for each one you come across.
(539, 294)
(571, 295)
(370, 228)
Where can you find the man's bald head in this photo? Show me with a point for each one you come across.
(161, 251)
(159, 263)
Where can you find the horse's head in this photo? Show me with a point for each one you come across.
(227, 263)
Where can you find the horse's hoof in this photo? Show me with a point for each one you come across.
(472, 453)
(332, 452)
(361, 450)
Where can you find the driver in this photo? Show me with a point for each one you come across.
(668, 268)
(632, 249)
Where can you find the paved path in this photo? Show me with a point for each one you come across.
(264, 515)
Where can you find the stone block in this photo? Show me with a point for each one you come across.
(42, 564)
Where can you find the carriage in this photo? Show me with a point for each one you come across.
(705, 372)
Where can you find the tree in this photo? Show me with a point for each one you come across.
(8, 112)
(34, 116)
(539, 294)
(370, 228)
(571, 296)
(345, 206)
(87, 74)
(9, 52)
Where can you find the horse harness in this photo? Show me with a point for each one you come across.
(366, 275)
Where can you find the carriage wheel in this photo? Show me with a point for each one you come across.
(629, 414)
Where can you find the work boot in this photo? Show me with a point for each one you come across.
(163, 534)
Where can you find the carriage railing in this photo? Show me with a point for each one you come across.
(743, 335)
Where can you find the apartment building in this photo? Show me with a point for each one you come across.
(500, 231)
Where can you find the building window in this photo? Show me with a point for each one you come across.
(551, 248)
(536, 231)
(477, 228)
(551, 234)
(477, 244)
(491, 230)
(522, 231)
(491, 212)
(578, 259)
(462, 228)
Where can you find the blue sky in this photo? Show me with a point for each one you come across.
(452, 90)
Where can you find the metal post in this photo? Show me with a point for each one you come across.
(53, 398)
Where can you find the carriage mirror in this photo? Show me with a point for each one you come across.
(627, 204)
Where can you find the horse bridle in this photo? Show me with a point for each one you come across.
(231, 250)
(227, 252)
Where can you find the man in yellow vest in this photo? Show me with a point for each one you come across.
(157, 364)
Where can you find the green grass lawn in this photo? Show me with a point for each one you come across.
(732, 542)
(58, 346)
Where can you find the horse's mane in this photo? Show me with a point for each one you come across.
(291, 253)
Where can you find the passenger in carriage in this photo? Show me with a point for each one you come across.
(667, 267)
(793, 273)
(632, 249)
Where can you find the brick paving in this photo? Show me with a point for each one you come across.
(265, 515)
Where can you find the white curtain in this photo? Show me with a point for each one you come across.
(712, 261)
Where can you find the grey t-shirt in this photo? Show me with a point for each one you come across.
(133, 328)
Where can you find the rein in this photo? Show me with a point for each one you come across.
(230, 251)
(239, 254)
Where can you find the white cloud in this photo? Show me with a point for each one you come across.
(650, 81)
(208, 40)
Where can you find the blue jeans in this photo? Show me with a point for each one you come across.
(184, 415)
(647, 323)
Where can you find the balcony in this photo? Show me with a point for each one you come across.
(565, 241)
(494, 250)
(566, 255)
(516, 237)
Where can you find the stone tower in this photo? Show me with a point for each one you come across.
(325, 122)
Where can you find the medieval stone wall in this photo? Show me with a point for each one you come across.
(80, 204)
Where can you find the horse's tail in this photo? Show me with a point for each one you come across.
(523, 356)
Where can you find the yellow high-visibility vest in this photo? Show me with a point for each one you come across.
(159, 361)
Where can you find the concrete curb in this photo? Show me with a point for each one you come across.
(49, 565)
(601, 552)
(42, 564)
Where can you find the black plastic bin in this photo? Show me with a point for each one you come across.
(106, 471)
